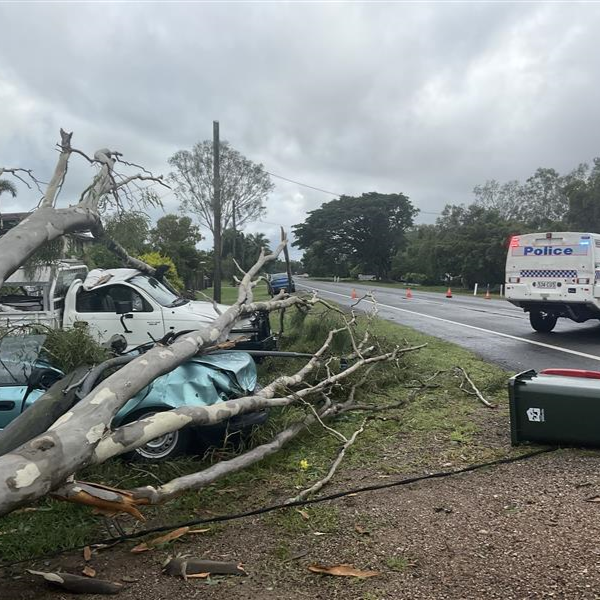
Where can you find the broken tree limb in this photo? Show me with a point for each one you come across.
(188, 567)
(100, 236)
(105, 500)
(136, 434)
(77, 583)
(474, 387)
(313, 489)
(60, 170)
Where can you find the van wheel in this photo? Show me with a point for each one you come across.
(160, 449)
(542, 321)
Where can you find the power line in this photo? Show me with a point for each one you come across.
(282, 506)
(318, 189)
(312, 187)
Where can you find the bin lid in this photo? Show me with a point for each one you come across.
(572, 373)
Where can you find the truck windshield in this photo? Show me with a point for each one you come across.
(157, 290)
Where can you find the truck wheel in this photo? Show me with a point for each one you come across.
(542, 321)
(160, 449)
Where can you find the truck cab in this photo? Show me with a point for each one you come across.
(554, 275)
(116, 301)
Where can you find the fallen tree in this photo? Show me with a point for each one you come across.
(49, 462)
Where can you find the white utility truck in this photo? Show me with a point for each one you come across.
(552, 275)
(109, 302)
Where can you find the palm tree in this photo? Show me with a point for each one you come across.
(259, 241)
(7, 186)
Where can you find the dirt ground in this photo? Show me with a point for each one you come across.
(521, 530)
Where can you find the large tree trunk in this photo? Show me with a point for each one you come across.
(60, 398)
(42, 226)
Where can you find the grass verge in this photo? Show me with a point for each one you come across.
(438, 428)
(229, 293)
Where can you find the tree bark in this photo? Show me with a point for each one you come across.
(42, 226)
(40, 415)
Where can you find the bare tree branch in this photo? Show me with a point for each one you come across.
(60, 170)
(313, 489)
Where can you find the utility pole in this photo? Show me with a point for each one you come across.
(216, 213)
(234, 228)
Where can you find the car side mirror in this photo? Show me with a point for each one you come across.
(123, 306)
(43, 378)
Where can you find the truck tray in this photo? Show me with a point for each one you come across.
(555, 406)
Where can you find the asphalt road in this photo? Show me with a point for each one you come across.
(494, 329)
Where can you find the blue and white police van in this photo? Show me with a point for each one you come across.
(552, 275)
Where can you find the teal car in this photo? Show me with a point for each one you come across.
(26, 373)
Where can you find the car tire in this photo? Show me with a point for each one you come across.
(163, 448)
(542, 322)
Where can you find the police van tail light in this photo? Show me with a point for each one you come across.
(514, 279)
(514, 241)
(584, 280)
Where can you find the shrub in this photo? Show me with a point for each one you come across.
(68, 349)
(155, 259)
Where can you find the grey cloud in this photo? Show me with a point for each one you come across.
(424, 99)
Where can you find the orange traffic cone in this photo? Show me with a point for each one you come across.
(408, 294)
(449, 293)
(353, 294)
(487, 295)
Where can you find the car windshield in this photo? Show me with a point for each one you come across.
(279, 276)
(18, 355)
(157, 290)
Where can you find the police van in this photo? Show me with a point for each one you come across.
(552, 275)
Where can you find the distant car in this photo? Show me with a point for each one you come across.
(25, 374)
(280, 281)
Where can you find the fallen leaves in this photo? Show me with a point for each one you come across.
(88, 571)
(343, 570)
(303, 514)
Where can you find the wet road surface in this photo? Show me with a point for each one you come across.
(494, 329)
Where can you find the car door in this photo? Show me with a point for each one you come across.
(11, 402)
(101, 308)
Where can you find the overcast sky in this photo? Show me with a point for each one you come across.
(427, 99)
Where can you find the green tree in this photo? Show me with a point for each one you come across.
(8, 187)
(583, 193)
(176, 237)
(245, 185)
(130, 229)
(420, 255)
(472, 242)
(247, 249)
(362, 232)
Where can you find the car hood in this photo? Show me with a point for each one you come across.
(197, 311)
(202, 381)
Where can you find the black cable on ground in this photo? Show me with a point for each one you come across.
(266, 509)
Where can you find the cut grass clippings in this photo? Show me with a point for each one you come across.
(440, 428)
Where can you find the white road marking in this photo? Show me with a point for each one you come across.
(498, 333)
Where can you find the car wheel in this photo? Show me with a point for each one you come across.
(163, 448)
(542, 322)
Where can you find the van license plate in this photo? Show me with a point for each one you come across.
(547, 284)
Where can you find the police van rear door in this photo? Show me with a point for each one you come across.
(551, 267)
